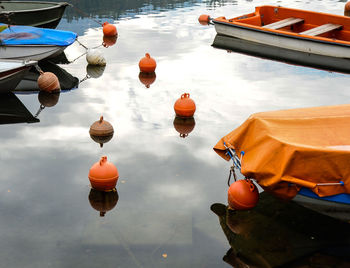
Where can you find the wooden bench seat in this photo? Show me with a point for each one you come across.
(322, 29)
(282, 23)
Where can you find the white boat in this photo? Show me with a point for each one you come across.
(31, 43)
(12, 72)
(300, 30)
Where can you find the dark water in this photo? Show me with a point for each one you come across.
(171, 189)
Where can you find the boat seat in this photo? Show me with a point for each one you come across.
(282, 23)
(322, 29)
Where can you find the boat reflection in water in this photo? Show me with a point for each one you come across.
(250, 48)
(283, 234)
(103, 201)
(12, 110)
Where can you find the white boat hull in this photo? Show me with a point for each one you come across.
(28, 52)
(284, 41)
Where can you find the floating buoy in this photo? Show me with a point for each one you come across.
(101, 131)
(243, 195)
(147, 78)
(109, 41)
(109, 29)
(204, 19)
(347, 6)
(95, 57)
(103, 201)
(103, 175)
(48, 82)
(184, 125)
(147, 64)
(185, 106)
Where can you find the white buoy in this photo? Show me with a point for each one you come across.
(95, 57)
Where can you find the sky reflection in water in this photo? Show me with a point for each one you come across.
(167, 184)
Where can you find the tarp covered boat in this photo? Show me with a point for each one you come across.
(32, 43)
(285, 151)
(295, 29)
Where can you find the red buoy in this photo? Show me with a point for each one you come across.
(185, 106)
(103, 175)
(109, 29)
(48, 82)
(147, 78)
(204, 19)
(347, 6)
(243, 195)
(147, 64)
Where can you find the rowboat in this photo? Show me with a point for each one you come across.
(279, 54)
(32, 43)
(13, 111)
(32, 13)
(295, 152)
(300, 30)
(12, 72)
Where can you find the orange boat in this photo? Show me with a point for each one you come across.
(305, 151)
(295, 29)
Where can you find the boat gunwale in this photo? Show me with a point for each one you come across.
(54, 5)
(317, 39)
(283, 34)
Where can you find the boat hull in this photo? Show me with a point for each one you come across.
(333, 64)
(38, 14)
(35, 53)
(10, 78)
(283, 40)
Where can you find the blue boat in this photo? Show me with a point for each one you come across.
(31, 43)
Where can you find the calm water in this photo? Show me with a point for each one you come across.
(163, 214)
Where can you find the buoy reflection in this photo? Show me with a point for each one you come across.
(184, 125)
(103, 201)
(147, 78)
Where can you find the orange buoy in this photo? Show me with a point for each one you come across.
(184, 125)
(109, 29)
(185, 106)
(101, 131)
(109, 41)
(147, 78)
(48, 82)
(242, 195)
(147, 64)
(103, 201)
(204, 19)
(103, 175)
(347, 6)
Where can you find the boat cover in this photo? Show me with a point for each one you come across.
(308, 147)
(27, 35)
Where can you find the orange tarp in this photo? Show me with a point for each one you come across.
(303, 147)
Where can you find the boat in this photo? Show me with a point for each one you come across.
(32, 43)
(279, 54)
(12, 72)
(32, 13)
(303, 151)
(294, 29)
(13, 111)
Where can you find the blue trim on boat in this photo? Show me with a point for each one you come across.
(339, 198)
